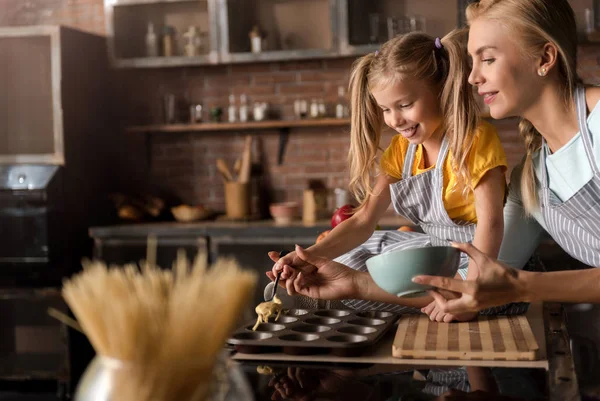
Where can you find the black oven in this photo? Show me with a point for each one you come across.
(33, 223)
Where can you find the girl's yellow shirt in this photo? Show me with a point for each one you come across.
(485, 154)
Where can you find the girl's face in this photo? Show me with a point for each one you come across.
(411, 108)
(506, 78)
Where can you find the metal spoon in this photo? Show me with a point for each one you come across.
(271, 288)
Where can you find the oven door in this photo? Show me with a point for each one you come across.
(23, 227)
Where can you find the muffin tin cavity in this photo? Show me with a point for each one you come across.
(357, 330)
(310, 328)
(347, 338)
(367, 322)
(299, 337)
(375, 314)
(287, 319)
(332, 313)
(253, 335)
(322, 320)
(296, 312)
(267, 327)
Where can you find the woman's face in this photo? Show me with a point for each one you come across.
(411, 108)
(504, 76)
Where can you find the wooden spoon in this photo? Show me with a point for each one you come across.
(224, 170)
(237, 166)
(244, 176)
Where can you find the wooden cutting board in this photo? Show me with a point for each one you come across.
(506, 338)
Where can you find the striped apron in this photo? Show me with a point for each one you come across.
(419, 198)
(575, 223)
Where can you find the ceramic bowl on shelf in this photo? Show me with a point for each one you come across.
(285, 212)
(188, 214)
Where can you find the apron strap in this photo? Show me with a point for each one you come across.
(583, 127)
(410, 157)
(439, 164)
(408, 161)
(543, 157)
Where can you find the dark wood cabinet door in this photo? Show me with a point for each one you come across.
(131, 250)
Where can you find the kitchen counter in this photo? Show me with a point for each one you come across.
(224, 228)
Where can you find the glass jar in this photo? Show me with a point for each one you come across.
(100, 381)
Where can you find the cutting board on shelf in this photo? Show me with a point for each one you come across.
(506, 338)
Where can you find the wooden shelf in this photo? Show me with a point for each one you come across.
(164, 62)
(118, 3)
(278, 55)
(249, 126)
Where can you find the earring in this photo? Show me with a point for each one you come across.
(542, 72)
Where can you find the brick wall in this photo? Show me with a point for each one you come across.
(183, 164)
(87, 15)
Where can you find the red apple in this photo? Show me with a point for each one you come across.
(341, 214)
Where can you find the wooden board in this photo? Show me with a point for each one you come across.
(496, 338)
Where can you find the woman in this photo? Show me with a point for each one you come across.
(524, 64)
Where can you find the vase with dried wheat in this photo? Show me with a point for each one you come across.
(158, 334)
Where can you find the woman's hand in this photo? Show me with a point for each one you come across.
(496, 285)
(320, 278)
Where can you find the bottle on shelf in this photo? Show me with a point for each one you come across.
(243, 108)
(341, 108)
(192, 46)
(322, 109)
(151, 41)
(232, 110)
(314, 108)
(168, 41)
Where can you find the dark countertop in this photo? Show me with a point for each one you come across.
(224, 228)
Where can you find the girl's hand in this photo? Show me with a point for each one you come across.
(286, 264)
(437, 315)
(289, 266)
(320, 278)
(496, 285)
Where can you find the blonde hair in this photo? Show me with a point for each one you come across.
(536, 22)
(411, 56)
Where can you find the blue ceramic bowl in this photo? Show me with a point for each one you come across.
(393, 271)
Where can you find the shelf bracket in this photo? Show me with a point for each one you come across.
(284, 134)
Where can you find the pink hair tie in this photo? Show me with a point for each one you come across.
(438, 43)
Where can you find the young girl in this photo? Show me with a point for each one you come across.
(444, 170)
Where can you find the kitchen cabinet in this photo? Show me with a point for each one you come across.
(33, 345)
(293, 29)
(120, 251)
(249, 251)
(32, 125)
(127, 25)
(283, 25)
(247, 242)
(364, 26)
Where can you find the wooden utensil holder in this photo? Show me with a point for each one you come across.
(237, 199)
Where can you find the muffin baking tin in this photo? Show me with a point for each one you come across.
(321, 331)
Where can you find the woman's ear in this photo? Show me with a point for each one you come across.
(547, 59)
